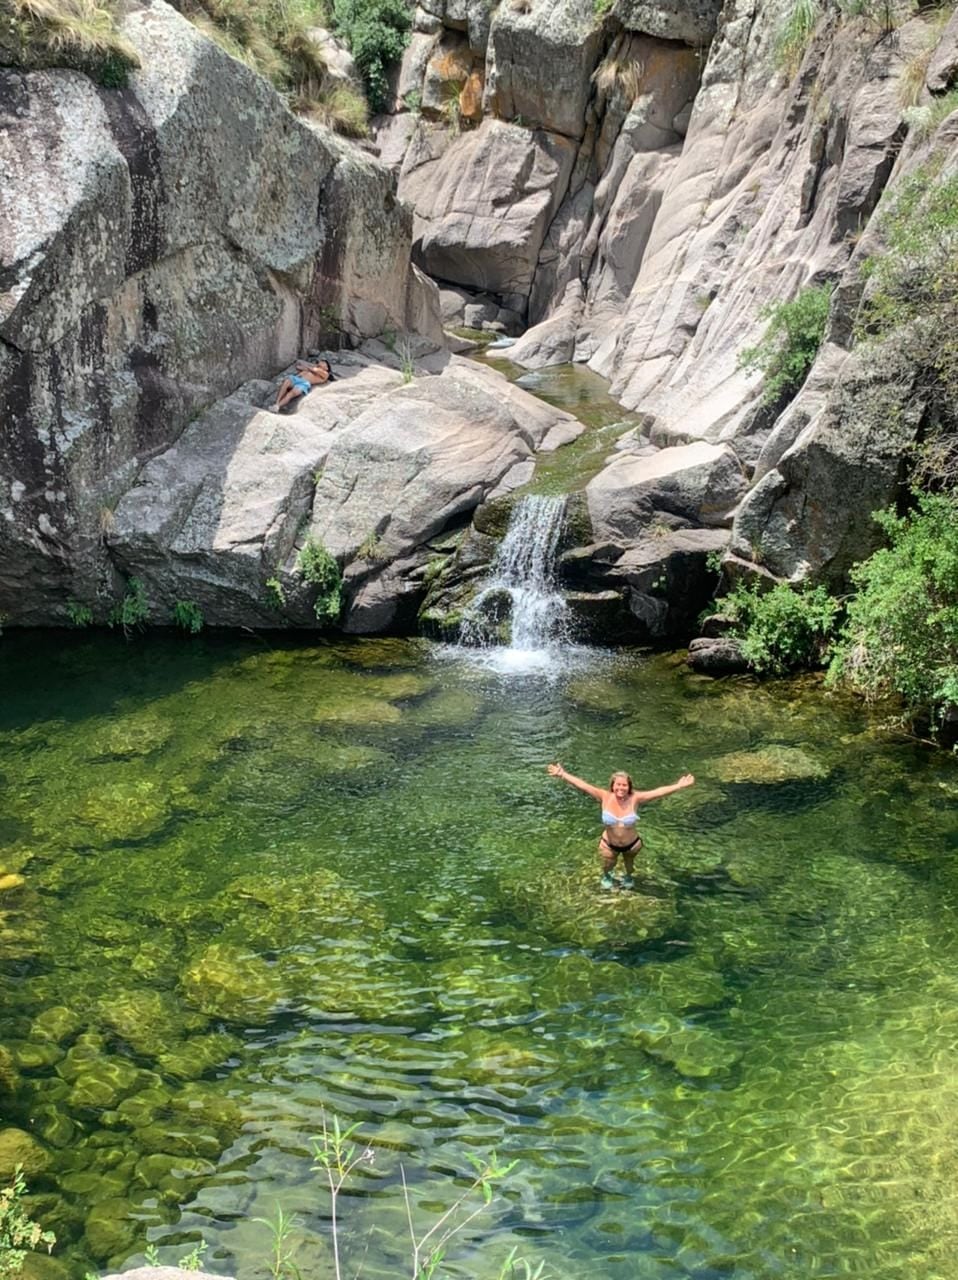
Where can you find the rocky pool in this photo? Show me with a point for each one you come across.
(248, 882)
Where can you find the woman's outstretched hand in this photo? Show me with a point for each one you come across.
(686, 780)
(556, 770)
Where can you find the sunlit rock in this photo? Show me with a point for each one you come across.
(141, 1108)
(686, 983)
(115, 811)
(111, 1229)
(481, 986)
(575, 910)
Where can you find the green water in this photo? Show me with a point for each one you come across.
(579, 391)
(263, 881)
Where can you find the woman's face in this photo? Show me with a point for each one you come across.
(620, 788)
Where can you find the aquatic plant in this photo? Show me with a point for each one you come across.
(339, 1157)
(281, 1227)
(19, 1235)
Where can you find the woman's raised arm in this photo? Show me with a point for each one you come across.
(557, 771)
(642, 797)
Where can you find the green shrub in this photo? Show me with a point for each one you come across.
(376, 33)
(790, 342)
(188, 615)
(901, 634)
(320, 570)
(18, 1234)
(80, 615)
(781, 629)
(133, 610)
(277, 593)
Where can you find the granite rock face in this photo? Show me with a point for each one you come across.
(161, 245)
(483, 203)
(372, 467)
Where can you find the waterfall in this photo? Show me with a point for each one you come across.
(521, 594)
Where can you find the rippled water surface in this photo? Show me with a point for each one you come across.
(245, 883)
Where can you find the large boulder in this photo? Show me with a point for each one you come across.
(413, 464)
(214, 517)
(690, 20)
(484, 201)
(699, 482)
(371, 466)
(161, 245)
(810, 515)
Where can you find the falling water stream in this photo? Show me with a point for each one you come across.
(522, 593)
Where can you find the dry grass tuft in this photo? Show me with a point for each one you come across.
(272, 37)
(79, 34)
(619, 73)
(342, 109)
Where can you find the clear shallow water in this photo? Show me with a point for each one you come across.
(263, 881)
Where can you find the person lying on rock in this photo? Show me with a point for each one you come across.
(302, 382)
(619, 819)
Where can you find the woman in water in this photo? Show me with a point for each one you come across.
(619, 819)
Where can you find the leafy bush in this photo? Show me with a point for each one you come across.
(133, 610)
(790, 342)
(376, 33)
(901, 633)
(18, 1234)
(80, 615)
(80, 34)
(188, 615)
(320, 569)
(781, 629)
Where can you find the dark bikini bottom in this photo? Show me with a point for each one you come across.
(621, 848)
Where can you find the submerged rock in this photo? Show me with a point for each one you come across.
(575, 910)
(691, 1050)
(19, 1148)
(225, 981)
(146, 1020)
(58, 1024)
(772, 764)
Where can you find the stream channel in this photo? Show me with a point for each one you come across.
(267, 880)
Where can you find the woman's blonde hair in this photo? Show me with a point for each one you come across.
(620, 773)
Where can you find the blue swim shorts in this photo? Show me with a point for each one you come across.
(301, 384)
